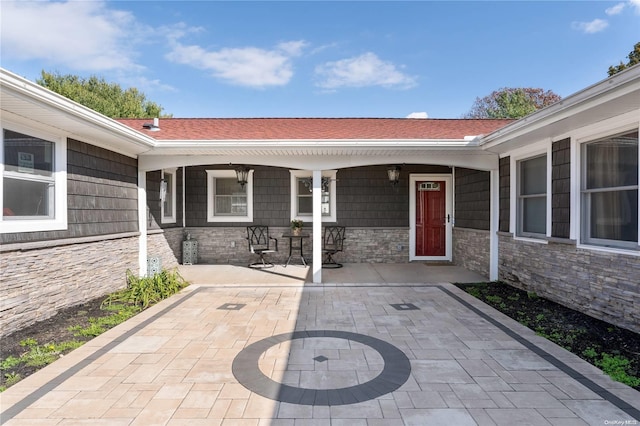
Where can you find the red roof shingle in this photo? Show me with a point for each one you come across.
(314, 128)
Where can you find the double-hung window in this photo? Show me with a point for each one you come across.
(227, 200)
(33, 182)
(609, 191)
(302, 195)
(532, 197)
(168, 191)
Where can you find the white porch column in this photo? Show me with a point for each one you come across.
(184, 197)
(142, 223)
(317, 226)
(494, 219)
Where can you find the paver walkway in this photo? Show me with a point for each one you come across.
(335, 354)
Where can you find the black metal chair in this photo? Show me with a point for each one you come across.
(332, 243)
(260, 244)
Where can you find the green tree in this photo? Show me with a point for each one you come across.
(511, 103)
(106, 98)
(634, 58)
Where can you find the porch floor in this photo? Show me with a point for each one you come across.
(373, 345)
(351, 273)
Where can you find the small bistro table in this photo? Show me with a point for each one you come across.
(300, 238)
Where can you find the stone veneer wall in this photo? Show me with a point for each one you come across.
(163, 244)
(375, 245)
(228, 245)
(471, 249)
(603, 285)
(37, 283)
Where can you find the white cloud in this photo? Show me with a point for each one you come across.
(592, 27)
(635, 4)
(418, 115)
(615, 10)
(82, 35)
(144, 84)
(361, 71)
(293, 48)
(246, 66)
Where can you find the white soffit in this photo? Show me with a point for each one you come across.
(615, 96)
(26, 102)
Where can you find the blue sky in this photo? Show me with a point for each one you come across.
(321, 59)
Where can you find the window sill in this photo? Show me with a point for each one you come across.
(531, 240)
(16, 226)
(611, 250)
(222, 219)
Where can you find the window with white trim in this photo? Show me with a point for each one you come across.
(609, 191)
(532, 197)
(227, 200)
(168, 191)
(34, 189)
(302, 195)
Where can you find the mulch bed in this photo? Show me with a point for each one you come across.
(54, 329)
(568, 328)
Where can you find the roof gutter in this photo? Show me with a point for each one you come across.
(36, 94)
(576, 102)
(322, 143)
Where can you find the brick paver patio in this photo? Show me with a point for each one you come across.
(334, 354)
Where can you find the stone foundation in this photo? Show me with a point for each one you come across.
(471, 249)
(36, 283)
(600, 284)
(163, 244)
(228, 245)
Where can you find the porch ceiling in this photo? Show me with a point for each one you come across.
(325, 157)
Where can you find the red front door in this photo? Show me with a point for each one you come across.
(430, 218)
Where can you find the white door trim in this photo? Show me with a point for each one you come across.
(413, 179)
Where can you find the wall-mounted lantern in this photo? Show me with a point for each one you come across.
(242, 174)
(393, 172)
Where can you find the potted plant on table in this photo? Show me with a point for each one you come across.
(296, 227)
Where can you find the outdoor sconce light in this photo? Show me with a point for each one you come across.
(394, 175)
(242, 173)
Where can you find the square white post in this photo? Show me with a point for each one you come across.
(142, 223)
(494, 217)
(317, 226)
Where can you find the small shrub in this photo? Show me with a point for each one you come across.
(28, 342)
(41, 355)
(9, 362)
(12, 378)
(615, 367)
(475, 292)
(494, 299)
(145, 291)
(590, 353)
(99, 325)
(514, 298)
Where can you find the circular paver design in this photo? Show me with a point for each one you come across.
(396, 371)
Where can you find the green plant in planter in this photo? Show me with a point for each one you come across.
(296, 226)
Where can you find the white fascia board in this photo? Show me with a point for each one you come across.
(314, 143)
(618, 85)
(41, 97)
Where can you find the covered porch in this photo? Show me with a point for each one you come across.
(348, 183)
